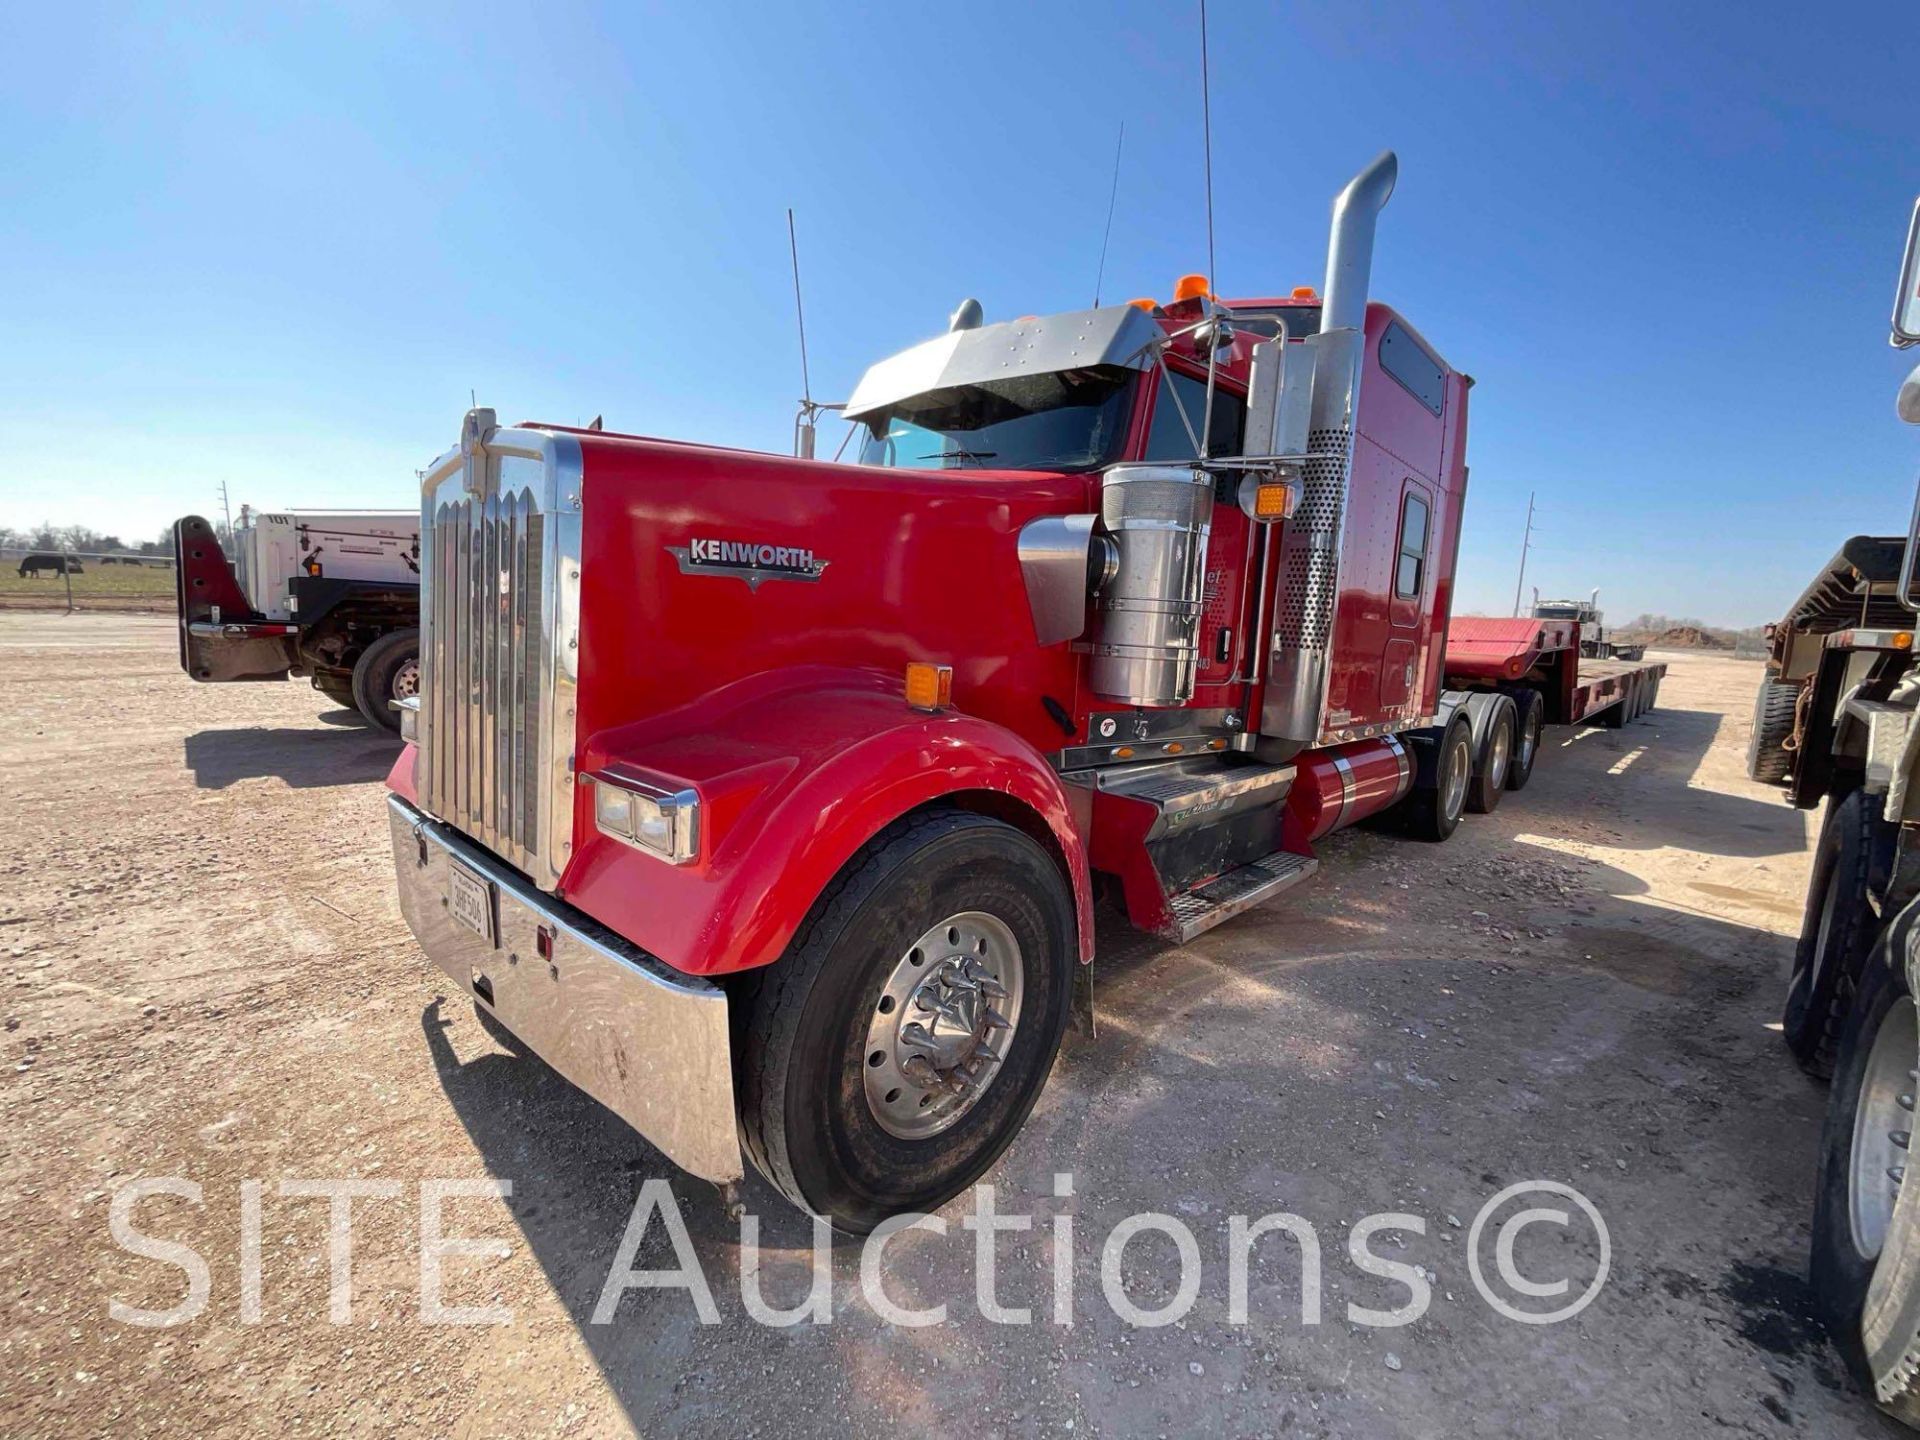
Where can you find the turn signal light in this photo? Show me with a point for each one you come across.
(1190, 287)
(1274, 502)
(1903, 640)
(929, 687)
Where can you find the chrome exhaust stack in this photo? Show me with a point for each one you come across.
(1356, 215)
(1293, 711)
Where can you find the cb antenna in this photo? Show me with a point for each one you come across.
(1213, 331)
(803, 422)
(1112, 196)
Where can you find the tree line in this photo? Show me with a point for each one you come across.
(85, 540)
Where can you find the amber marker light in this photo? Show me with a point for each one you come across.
(1190, 287)
(929, 687)
(1274, 502)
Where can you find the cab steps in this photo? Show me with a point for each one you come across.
(1219, 900)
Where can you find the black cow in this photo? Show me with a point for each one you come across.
(57, 564)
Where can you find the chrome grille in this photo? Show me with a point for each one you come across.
(499, 636)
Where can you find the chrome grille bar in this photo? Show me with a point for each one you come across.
(501, 528)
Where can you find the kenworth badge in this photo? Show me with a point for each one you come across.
(745, 560)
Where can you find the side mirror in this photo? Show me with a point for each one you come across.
(1906, 300)
(1279, 399)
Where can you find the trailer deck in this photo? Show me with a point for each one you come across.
(1485, 651)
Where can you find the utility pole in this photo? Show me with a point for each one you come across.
(1526, 543)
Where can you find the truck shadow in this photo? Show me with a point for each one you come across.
(304, 758)
(577, 1172)
(1631, 787)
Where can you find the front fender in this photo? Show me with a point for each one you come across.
(795, 773)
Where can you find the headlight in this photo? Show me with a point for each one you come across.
(665, 823)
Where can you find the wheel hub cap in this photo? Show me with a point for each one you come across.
(1883, 1127)
(942, 1024)
(406, 681)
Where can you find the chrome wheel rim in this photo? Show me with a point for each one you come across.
(1498, 754)
(406, 680)
(1883, 1127)
(942, 1025)
(1459, 771)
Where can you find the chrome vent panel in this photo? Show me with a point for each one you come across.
(1309, 567)
(1308, 590)
(499, 621)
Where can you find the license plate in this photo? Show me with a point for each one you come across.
(471, 902)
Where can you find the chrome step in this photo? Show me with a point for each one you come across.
(1199, 789)
(1200, 909)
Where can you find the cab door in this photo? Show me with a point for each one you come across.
(1409, 610)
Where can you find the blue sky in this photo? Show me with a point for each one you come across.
(277, 246)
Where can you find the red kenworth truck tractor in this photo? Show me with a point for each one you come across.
(769, 799)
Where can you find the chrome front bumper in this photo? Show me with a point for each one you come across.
(649, 1043)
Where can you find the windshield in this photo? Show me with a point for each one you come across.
(1064, 420)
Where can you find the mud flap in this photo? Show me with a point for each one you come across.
(222, 637)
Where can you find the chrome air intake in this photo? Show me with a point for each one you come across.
(1146, 648)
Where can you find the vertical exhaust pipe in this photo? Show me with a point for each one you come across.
(1356, 213)
(1293, 710)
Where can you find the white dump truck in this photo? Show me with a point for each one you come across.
(333, 595)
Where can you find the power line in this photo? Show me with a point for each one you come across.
(1526, 543)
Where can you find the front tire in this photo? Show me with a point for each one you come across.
(1865, 1260)
(1835, 933)
(940, 962)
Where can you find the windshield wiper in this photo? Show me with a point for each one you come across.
(961, 453)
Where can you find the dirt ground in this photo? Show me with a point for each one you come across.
(207, 978)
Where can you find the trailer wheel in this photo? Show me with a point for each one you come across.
(1768, 759)
(1865, 1253)
(388, 670)
(1528, 712)
(1433, 812)
(896, 1049)
(1835, 932)
(1495, 758)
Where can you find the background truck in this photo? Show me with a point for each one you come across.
(1593, 634)
(330, 594)
(769, 800)
(1837, 722)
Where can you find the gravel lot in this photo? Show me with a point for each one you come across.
(207, 978)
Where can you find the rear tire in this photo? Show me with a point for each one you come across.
(1835, 932)
(1434, 813)
(1529, 712)
(1865, 1256)
(387, 670)
(809, 1113)
(1494, 760)
(1768, 759)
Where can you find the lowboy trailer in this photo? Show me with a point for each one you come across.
(769, 800)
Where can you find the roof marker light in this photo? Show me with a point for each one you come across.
(1191, 287)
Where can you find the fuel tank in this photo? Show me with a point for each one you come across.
(1335, 788)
